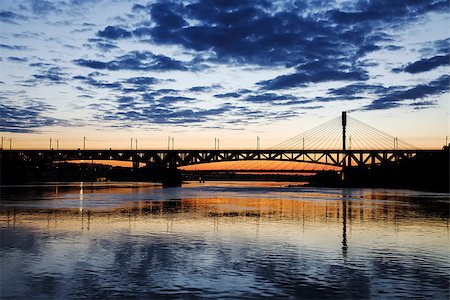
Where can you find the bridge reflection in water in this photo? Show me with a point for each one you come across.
(75, 205)
(144, 241)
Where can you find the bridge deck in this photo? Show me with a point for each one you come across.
(177, 158)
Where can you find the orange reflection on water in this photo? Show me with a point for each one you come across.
(298, 232)
(271, 210)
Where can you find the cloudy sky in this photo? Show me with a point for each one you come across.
(196, 70)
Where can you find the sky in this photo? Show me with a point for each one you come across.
(232, 70)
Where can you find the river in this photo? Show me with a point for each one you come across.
(221, 240)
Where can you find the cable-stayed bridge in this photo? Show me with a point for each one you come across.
(341, 142)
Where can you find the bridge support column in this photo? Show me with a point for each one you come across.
(171, 177)
(344, 174)
(135, 165)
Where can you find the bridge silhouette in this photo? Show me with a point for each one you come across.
(341, 142)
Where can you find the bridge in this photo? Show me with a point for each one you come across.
(341, 142)
(179, 158)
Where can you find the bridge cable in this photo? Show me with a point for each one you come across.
(369, 137)
(328, 135)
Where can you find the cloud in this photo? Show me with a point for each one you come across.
(7, 16)
(131, 85)
(160, 108)
(93, 64)
(394, 96)
(27, 118)
(114, 33)
(142, 32)
(138, 8)
(175, 99)
(393, 47)
(86, 96)
(92, 81)
(275, 99)
(43, 7)
(306, 43)
(269, 34)
(351, 90)
(423, 104)
(316, 41)
(136, 61)
(158, 112)
(14, 47)
(143, 80)
(106, 46)
(228, 95)
(312, 107)
(321, 44)
(87, 24)
(425, 64)
(252, 32)
(54, 75)
(161, 92)
(40, 65)
(163, 112)
(314, 73)
(168, 15)
(103, 44)
(17, 59)
(125, 102)
(390, 97)
(200, 89)
(190, 115)
(441, 46)
(384, 11)
(240, 36)
(29, 35)
(71, 47)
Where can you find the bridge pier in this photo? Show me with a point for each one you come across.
(344, 174)
(171, 177)
(135, 165)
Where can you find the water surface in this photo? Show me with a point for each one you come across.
(222, 239)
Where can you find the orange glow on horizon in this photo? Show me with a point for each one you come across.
(194, 141)
(229, 165)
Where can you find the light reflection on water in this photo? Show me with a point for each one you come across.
(234, 240)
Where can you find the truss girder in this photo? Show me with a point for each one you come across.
(177, 158)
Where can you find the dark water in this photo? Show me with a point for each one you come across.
(236, 240)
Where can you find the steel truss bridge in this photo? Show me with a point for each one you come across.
(340, 142)
(179, 158)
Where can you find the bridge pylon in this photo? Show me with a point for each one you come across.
(344, 124)
(344, 148)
